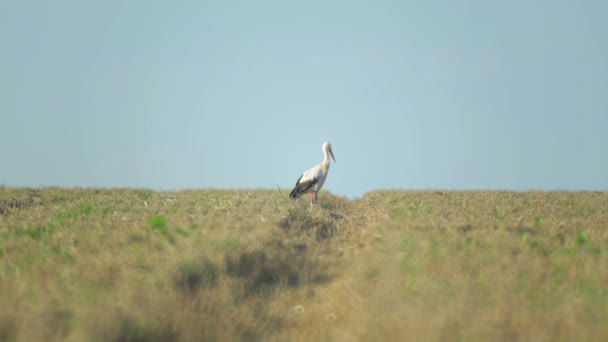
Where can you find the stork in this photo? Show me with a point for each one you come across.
(312, 180)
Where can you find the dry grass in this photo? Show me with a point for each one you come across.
(136, 265)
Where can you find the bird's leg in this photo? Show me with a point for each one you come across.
(313, 200)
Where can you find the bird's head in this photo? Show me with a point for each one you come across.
(327, 149)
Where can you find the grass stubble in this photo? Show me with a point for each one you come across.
(211, 265)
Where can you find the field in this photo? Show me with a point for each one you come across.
(211, 265)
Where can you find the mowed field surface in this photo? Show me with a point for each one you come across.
(210, 265)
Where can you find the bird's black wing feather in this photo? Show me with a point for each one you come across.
(301, 188)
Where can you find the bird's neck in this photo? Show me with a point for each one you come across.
(325, 167)
(325, 158)
(325, 162)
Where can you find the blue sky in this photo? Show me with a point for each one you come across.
(412, 95)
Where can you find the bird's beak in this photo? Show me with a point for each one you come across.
(331, 153)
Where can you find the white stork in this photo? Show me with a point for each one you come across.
(312, 180)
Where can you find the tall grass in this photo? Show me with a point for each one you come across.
(137, 265)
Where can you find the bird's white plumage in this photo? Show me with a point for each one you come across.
(315, 175)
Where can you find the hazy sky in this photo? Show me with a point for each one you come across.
(241, 94)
